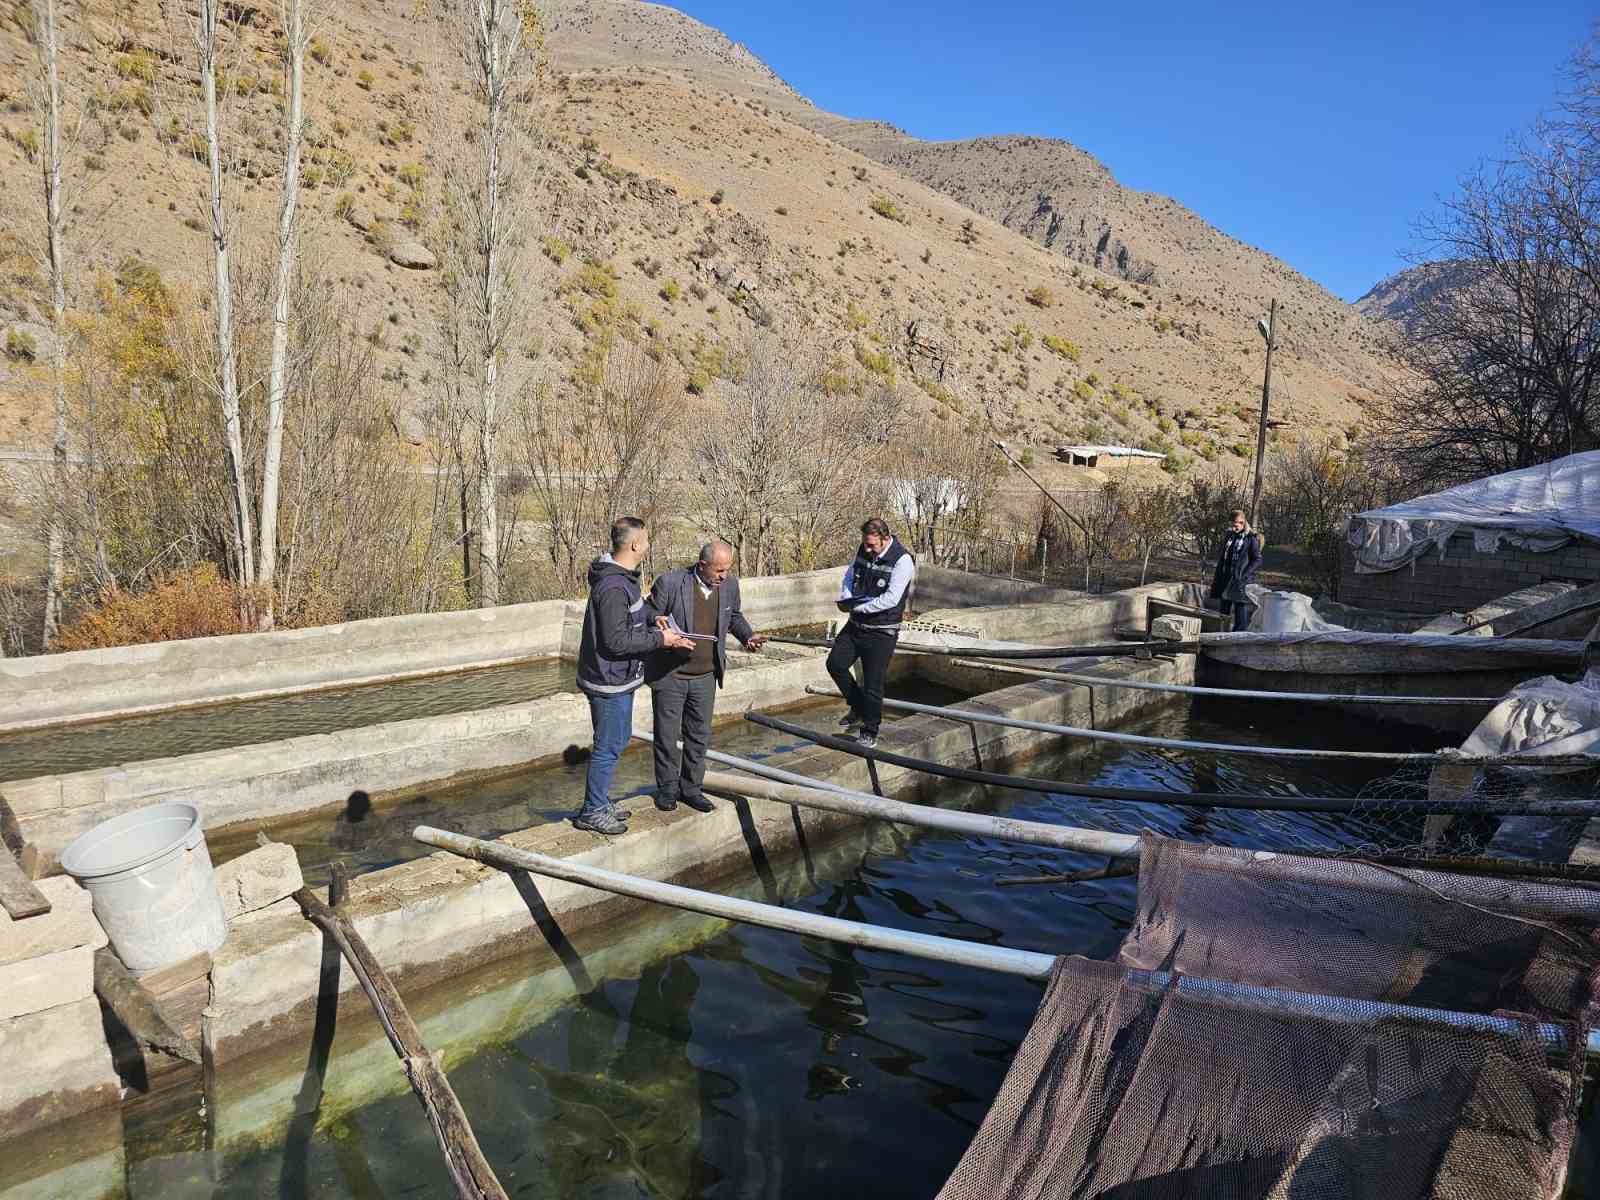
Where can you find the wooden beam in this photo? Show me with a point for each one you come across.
(138, 1010)
(18, 896)
(474, 1179)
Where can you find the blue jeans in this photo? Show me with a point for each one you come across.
(612, 718)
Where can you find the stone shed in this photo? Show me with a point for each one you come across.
(1456, 549)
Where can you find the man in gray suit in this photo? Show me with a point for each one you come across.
(702, 600)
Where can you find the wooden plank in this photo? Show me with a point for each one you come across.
(469, 1170)
(18, 896)
(139, 1011)
(172, 977)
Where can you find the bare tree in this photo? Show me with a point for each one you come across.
(839, 472)
(213, 44)
(1502, 356)
(49, 108)
(1153, 515)
(296, 38)
(487, 173)
(594, 452)
(746, 461)
(944, 480)
(67, 132)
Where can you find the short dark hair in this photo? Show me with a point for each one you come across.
(622, 532)
(876, 526)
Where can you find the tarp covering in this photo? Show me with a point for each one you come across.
(1537, 508)
(1542, 716)
(1137, 1084)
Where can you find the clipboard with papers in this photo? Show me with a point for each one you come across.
(672, 627)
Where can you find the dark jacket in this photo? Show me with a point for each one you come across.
(1237, 564)
(672, 595)
(618, 631)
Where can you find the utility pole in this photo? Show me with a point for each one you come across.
(1269, 331)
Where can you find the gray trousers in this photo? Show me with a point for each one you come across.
(682, 708)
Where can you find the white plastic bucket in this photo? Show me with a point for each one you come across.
(149, 876)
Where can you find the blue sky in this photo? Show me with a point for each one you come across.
(1317, 132)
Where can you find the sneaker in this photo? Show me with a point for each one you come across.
(698, 803)
(602, 822)
(849, 721)
(867, 741)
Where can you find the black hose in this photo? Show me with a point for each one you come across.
(1095, 791)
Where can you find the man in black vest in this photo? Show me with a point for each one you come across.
(702, 600)
(874, 593)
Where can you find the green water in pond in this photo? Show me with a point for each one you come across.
(368, 837)
(755, 1064)
(96, 744)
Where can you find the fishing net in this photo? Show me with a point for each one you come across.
(1143, 1083)
(1503, 819)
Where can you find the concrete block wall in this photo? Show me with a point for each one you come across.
(92, 684)
(51, 1038)
(95, 684)
(1464, 578)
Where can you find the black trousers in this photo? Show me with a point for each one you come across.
(681, 707)
(1243, 611)
(873, 650)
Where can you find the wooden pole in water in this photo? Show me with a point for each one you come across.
(474, 1179)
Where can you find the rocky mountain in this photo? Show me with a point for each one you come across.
(1062, 197)
(1395, 301)
(692, 197)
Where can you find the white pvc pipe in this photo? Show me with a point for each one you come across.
(852, 933)
(1027, 963)
(1036, 833)
(1185, 689)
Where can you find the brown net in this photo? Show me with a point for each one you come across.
(1139, 1082)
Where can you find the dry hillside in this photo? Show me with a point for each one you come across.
(691, 195)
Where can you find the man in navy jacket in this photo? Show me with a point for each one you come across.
(618, 634)
(702, 599)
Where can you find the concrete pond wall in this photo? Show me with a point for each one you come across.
(259, 782)
(432, 920)
(90, 685)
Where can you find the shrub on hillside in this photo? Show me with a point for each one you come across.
(1060, 345)
(1040, 297)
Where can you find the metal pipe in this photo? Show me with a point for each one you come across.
(974, 717)
(1109, 650)
(1095, 791)
(1454, 757)
(1027, 963)
(1185, 689)
(1036, 833)
(852, 933)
